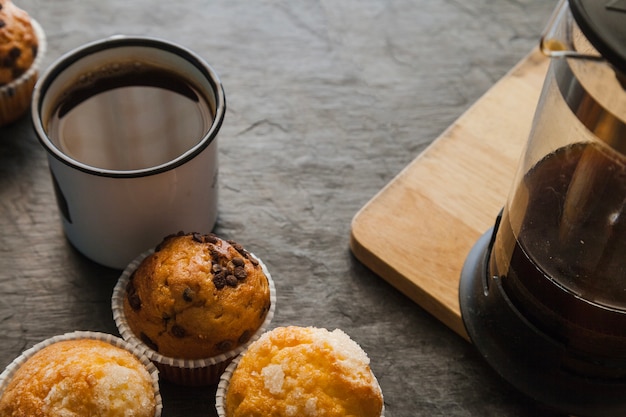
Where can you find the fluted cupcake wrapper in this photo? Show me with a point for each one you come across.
(16, 96)
(189, 372)
(7, 375)
(222, 386)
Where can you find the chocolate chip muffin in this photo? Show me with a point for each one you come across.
(18, 42)
(300, 371)
(197, 296)
(22, 47)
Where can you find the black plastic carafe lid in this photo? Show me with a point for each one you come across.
(603, 22)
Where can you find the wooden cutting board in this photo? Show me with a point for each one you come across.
(416, 232)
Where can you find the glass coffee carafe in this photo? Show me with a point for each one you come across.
(543, 294)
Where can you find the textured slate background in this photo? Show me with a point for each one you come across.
(327, 102)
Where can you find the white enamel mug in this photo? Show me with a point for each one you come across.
(118, 193)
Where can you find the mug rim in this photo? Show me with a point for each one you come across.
(75, 55)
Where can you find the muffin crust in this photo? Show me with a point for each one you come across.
(80, 378)
(196, 296)
(303, 371)
(18, 42)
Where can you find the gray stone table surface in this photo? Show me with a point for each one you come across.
(327, 102)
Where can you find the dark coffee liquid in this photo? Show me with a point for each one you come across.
(560, 250)
(129, 117)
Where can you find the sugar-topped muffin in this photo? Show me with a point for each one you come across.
(81, 377)
(303, 371)
(18, 42)
(197, 296)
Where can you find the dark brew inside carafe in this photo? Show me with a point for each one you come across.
(560, 250)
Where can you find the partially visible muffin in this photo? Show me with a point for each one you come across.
(81, 377)
(18, 42)
(22, 47)
(302, 371)
(197, 296)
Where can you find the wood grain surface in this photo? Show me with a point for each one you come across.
(327, 102)
(417, 232)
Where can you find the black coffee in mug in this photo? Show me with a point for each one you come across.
(123, 117)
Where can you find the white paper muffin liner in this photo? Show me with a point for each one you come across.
(190, 372)
(16, 96)
(7, 375)
(222, 387)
